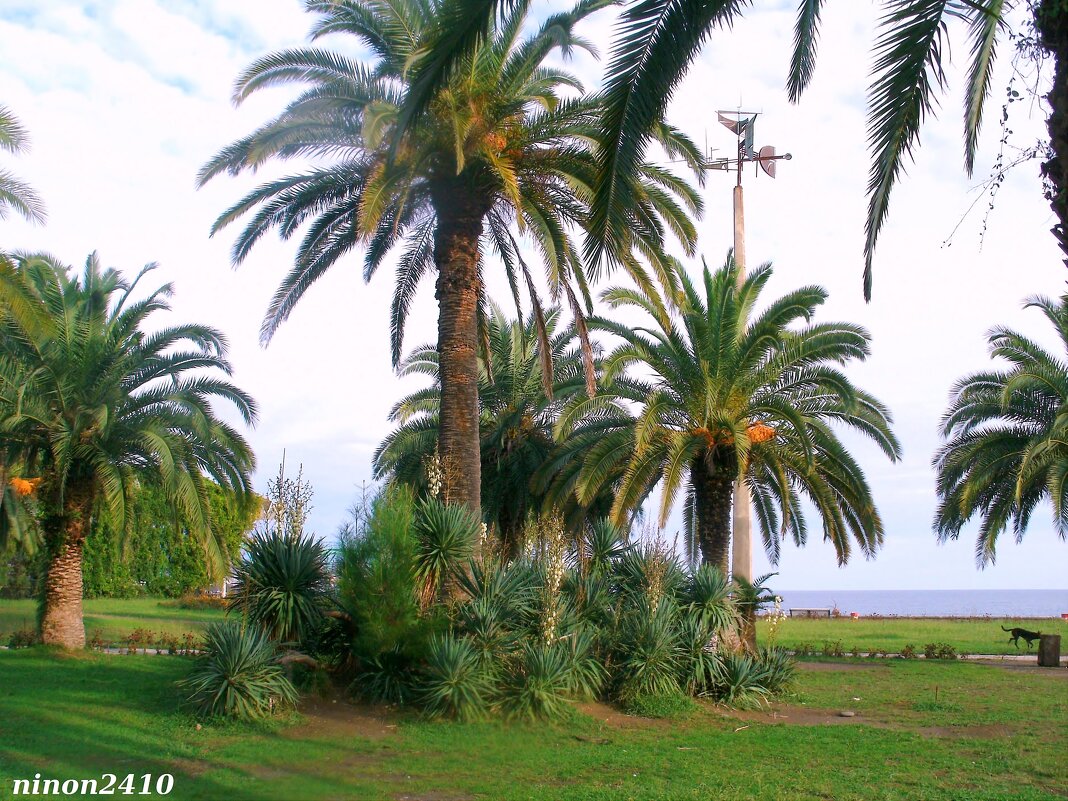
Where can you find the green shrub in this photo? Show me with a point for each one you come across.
(23, 638)
(386, 677)
(239, 675)
(939, 650)
(457, 683)
(648, 654)
(201, 600)
(674, 706)
(739, 680)
(779, 668)
(445, 537)
(538, 685)
(282, 584)
(833, 648)
(707, 592)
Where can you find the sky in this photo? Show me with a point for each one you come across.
(126, 99)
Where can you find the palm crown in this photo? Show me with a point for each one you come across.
(498, 151)
(729, 398)
(517, 419)
(1006, 432)
(14, 194)
(91, 402)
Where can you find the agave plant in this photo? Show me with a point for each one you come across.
(283, 584)
(239, 676)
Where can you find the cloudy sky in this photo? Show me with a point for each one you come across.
(126, 99)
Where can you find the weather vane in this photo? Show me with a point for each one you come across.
(742, 125)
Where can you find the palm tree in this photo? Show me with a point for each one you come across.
(730, 399)
(658, 39)
(91, 402)
(1006, 433)
(516, 425)
(498, 149)
(13, 193)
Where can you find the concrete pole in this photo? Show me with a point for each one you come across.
(742, 552)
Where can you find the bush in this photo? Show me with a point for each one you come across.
(239, 676)
(457, 683)
(939, 650)
(201, 600)
(780, 669)
(282, 584)
(23, 638)
(674, 706)
(739, 680)
(648, 653)
(833, 648)
(538, 685)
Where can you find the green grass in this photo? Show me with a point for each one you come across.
(994, 733)
(114, 619)
(967, 635)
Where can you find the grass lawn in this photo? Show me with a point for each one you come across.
(967, 635)
(114, 619)
(993, 733)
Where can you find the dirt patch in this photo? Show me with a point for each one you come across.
(190, 767)
(338, 719)
(826, 667)
(793, 716)
(613, 718)
(1024, 667)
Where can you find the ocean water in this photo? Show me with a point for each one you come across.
(933, 603)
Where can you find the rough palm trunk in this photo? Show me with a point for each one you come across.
(712, 514)
(456, 256)
(1051, 20)
(62, 623)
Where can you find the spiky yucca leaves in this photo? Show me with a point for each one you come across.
(1005, 434)
(739, 679)
(94, 396)
(735, 392)
(707, 596)
(446, 536)
(456, 683)
(239, 675)
(518, 410)
(496, 154)
(780, 669)
(14, 194)
(540, 682)
(283, 584)
(648, 652)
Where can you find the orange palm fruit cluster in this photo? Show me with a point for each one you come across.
(760, 432)
(25, 486)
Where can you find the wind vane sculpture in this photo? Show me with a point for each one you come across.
(742, 125)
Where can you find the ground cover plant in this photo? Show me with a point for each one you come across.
(994, 733)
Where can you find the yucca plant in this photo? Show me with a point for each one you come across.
(707, 594)
(539, 685)
(282, 584)
(457, 683)
(387, 677)
(696, 656)
(446, 536)
(780, 669)
(239, 675)
(586, 673)
(647, 653)
(602, 545)
(739, 680)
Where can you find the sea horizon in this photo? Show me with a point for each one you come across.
(933, 603)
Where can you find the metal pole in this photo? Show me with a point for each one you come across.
(742, 550)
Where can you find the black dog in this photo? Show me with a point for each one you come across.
(1016, 634)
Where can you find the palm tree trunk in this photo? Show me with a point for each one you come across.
(712, 513)
(62, 623)
(1051, 20)
(456, 255)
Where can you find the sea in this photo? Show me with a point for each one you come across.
(932, 603)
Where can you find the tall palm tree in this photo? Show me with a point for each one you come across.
(1006, 437)
(14, 194)
(516, 423)
(497, 153)
(658, 39)
(734, 393)
(91, 401)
